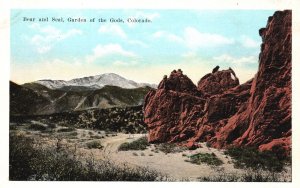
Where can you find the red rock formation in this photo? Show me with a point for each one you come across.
(171, 111)
(176, 109)
(218, 82)
(280, 146)
(269, 107)
(222, 112)
(219, 109)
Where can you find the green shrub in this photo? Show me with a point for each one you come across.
(72, 134)
(252, 158)
(67, 129)
(208, 144)
(21, 152)
(207, 158)
(37, 127)
(51, 126)
(249, 176)
(13, 127)
(170, 148)
(139, 144)
(32, 162)
(97, 137)
(94, 145)
(48, 131)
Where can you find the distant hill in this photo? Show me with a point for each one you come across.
(24, 101)
(34, 98)
(94, 82)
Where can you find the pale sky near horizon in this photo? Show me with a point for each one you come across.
(195, 41)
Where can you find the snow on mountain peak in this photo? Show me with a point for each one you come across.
(95, 82)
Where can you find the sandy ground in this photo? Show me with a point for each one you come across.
(174, 165)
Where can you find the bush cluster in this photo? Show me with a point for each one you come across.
(139, 144)
(170, 148)
(249, 157)
(94, 145)
(28, 161)
(37, 127)
(207, 158)
(66, 129)
(249, 176)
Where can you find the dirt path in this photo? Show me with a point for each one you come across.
(111, 144)
(173, 164)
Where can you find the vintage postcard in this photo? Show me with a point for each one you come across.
(150, 95)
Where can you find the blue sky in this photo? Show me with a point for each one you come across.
(193, 40)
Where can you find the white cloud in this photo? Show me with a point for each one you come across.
(139, 43)
(159, 34)
(175, 38)
(238, 61)
(194, 39)
(168, 36)
(48, 36)
(118, 31)
(190, 54)
(249, 42)
(123, 63)
(109, 49)
(112, 29)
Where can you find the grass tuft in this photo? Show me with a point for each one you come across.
(170, 148)
(207, 158)
(252, 158)
(94, 145)
(67, 129)
(37, 127)
(249, 176)
(139, 144)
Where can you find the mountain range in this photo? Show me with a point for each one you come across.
(56, 96)
(94, 82)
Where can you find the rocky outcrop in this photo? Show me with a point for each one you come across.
(171, 112)
(219, 109)
(269, 107)
(179, 82)
(222, 112)
(175, 110)
(218, 82)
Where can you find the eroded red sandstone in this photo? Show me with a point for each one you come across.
(223, 112)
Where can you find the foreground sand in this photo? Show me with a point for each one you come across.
(174, 165)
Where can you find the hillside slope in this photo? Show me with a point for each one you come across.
(24, 101)
(36, 99)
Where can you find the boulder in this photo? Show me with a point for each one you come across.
(218, 82)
